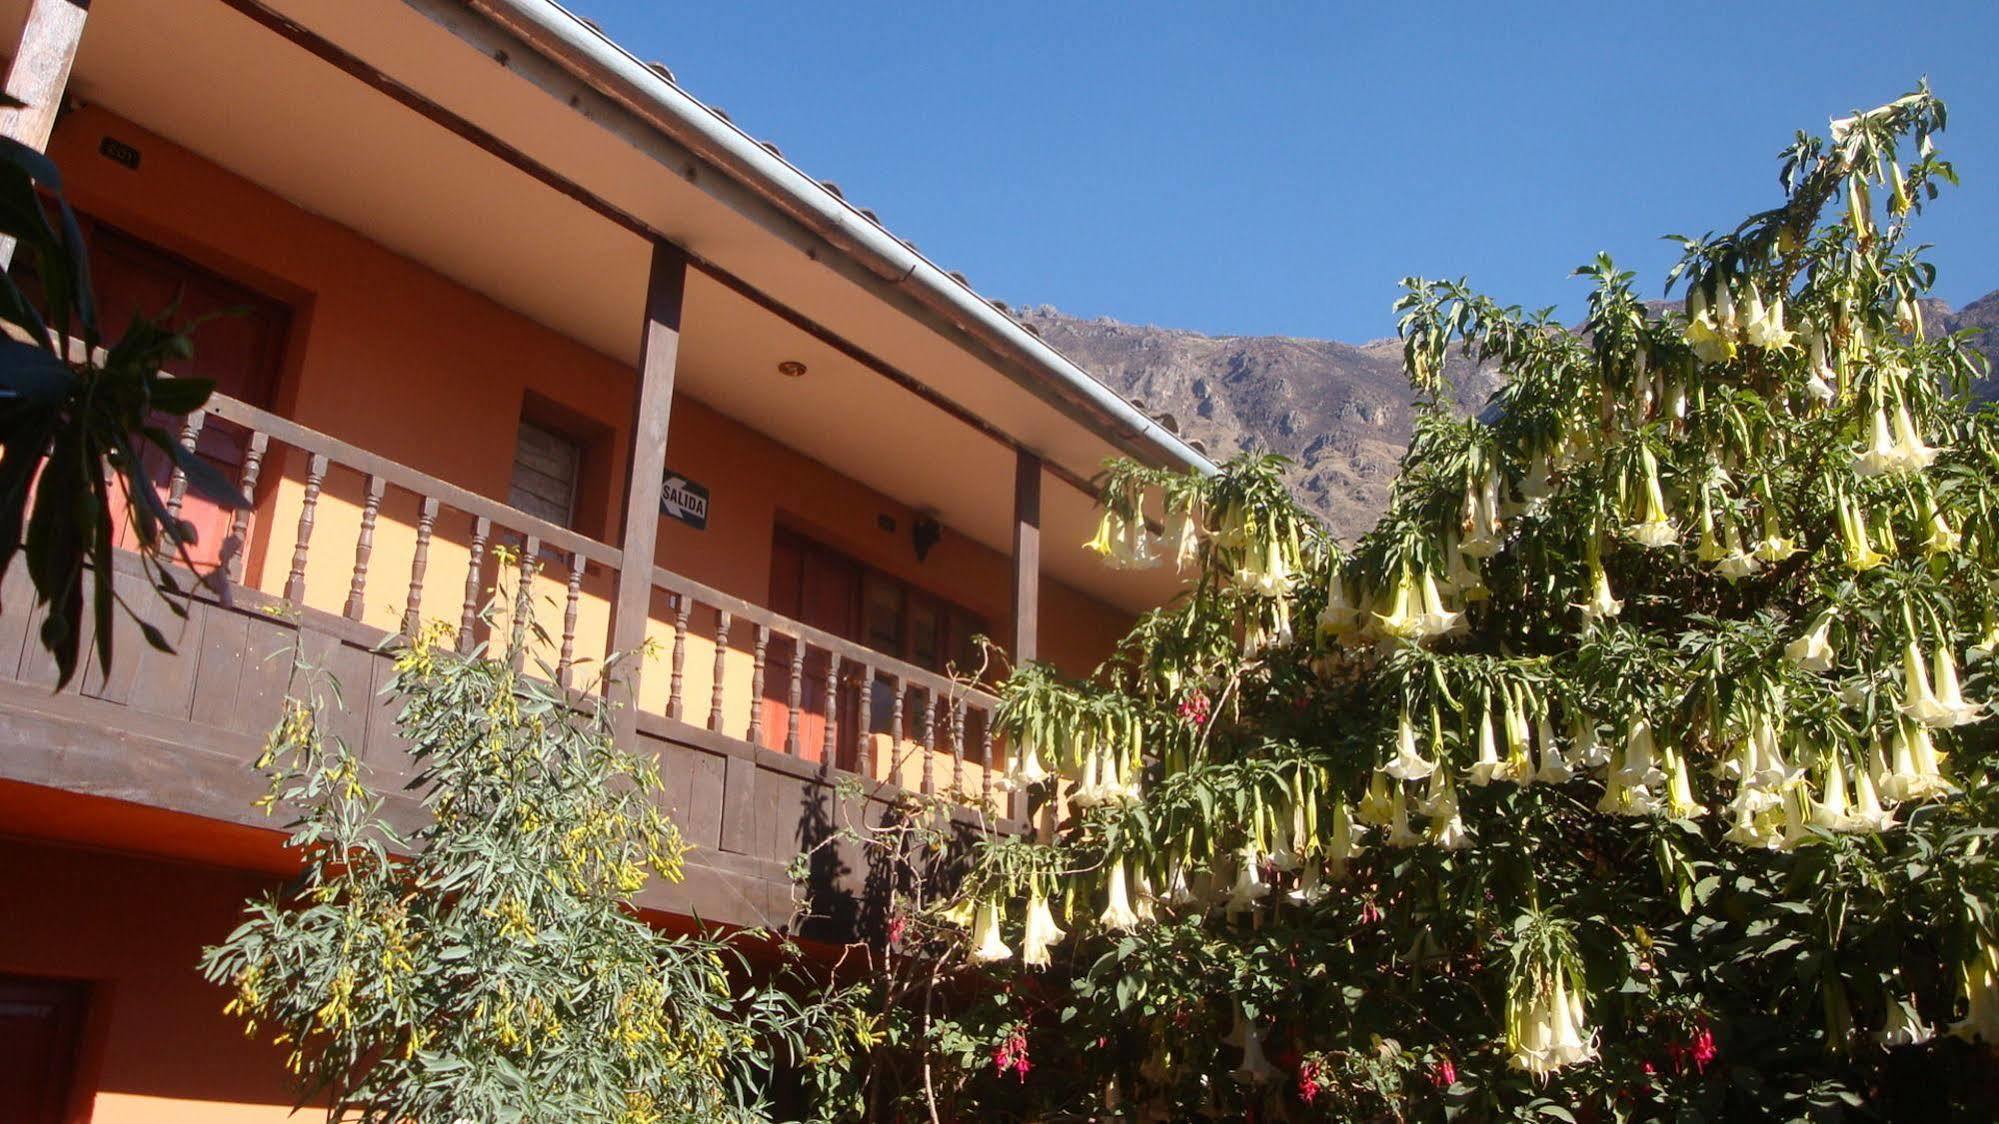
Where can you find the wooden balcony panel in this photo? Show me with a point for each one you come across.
(370, 546)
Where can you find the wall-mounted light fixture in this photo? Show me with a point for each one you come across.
(924, 534)
(791, 369)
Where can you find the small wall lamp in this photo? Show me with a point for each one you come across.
(924, 534)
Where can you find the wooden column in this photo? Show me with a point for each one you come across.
(1026, 578)
(1026, 555)
(645, 467)
(38, 76)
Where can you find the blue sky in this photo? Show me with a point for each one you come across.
(1261, 168)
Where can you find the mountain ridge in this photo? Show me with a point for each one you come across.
(1341, 412)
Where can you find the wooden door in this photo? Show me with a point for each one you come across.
(817, 587)
(41, 1030)
(239, 344)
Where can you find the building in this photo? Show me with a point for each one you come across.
(498, 283)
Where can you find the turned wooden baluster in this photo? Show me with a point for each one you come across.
(757, 684)
(957, 746)
(795, 698)
(929, 741)
(426, 525)
(675, 704)
(475, 566)
(190, 433)
(572, 600)
(364, 549)
(986, 759)
(830, 751)
(239, 523)
(723, 622)
(864, 758)
(898, 728)
(315, 476)
(524, 598)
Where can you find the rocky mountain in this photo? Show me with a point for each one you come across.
(1341, 412)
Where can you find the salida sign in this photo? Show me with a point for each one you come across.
(685, 500)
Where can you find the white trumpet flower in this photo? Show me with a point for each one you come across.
(1910, 452)
(1904, 1027)
(1488, 767)
(1639, 768)
(1588, 750)
(1028, 768)
(1402, 619)
(1680, 802)
(1374, 803)
(1255, 1068)
(987, 947)
(1821, 380)
(1880, 457)
(1249, 888)
(1041, 933)
(1344, 845)
(1399, 834)
(1183, 534)
(1942, 539)
(1447, 828)
(1310, 888)
(1813, 650)
(1435, 621)
(1914, 774)
(1919, 701)
(1601, 604)
(1408, 764)
(1653, 529)
(1944, 672)
(1117, 912)
(1981, 993)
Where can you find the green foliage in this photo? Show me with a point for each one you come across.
(488, 965)
(1634, 767)
(76, 415)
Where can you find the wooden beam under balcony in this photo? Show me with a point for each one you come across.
(1026, 578)
(645, 471)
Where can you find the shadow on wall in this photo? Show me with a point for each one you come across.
(844, 909)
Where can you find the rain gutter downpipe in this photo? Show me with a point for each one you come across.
(590, 55)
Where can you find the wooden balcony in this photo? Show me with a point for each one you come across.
(343, 549)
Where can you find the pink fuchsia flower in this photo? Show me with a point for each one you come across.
(1309, 1086)
(1010, 1056)
(1444, 1074)
(1194, 709)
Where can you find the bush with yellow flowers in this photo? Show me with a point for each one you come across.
(488, 964)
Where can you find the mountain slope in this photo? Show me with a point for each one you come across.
(1340, 411)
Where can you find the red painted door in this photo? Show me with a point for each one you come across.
(239, 344)
(41, 1025)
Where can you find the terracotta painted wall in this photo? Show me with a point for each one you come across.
(158, 1049)
(399, 360)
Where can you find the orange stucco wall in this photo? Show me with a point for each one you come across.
(157, 1048)
(395, 358)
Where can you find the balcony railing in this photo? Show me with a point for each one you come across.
(337, 529)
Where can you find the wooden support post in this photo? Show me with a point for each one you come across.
(1026, 578)
(645, 469)
(38, 76)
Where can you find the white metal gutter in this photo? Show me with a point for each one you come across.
(890, 264)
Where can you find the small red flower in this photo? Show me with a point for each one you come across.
(896, 927)
(1194, 709)
(1704, 1049)
(1010, 1056)
(1309, 1087)
(1444, 1075)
